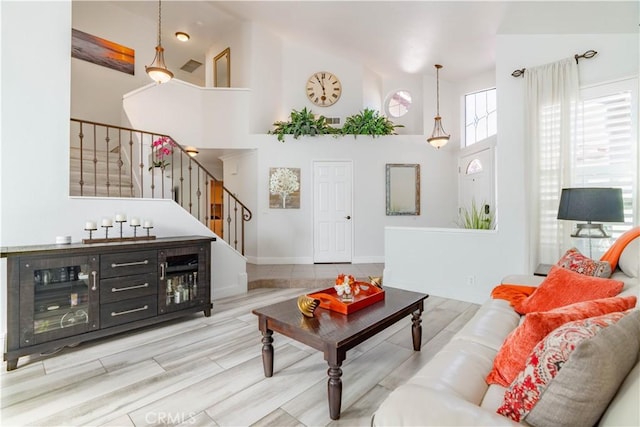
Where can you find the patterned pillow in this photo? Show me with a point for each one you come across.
(546, 360)
(575, 261)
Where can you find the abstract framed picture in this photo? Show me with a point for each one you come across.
(284, 188)
(102, 52)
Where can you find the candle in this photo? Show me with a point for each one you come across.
(148, 224)
(90, 225)
(135, 221)
(106, 222)
(121, 218)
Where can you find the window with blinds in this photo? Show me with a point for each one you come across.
(604, 152)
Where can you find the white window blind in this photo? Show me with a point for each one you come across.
(605, 149)
(603, 153)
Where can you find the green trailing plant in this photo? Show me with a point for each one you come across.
(302, 123)
(368, 122)
(476, 217)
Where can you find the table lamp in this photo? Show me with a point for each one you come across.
(591, 204)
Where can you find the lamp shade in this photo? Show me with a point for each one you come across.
(591, 204)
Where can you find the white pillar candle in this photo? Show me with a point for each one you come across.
(135, 221)
(148, 224)
(90, 225)
(121, 217)
(106, 222)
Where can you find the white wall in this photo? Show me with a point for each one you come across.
(440, 261)
(192, 115)
(103, 102)
(286, 235)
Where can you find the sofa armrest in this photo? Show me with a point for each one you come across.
(414, 405)
(523, 279)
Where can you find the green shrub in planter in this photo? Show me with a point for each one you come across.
(368, 122)
(302, 123)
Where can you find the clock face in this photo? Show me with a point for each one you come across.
(323, 89)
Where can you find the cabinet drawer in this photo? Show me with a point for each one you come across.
(128, 263)
(120, 288)
(127, 311)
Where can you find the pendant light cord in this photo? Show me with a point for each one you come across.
(159, 22)
(438, 90)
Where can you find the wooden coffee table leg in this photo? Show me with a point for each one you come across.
(267, 352)
(334, 389)
(416, 329)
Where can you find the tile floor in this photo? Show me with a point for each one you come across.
(306, 275)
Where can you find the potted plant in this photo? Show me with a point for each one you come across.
(368, 122)
(302, 123)
(161, 147)
(478, 218)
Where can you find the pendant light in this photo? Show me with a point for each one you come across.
(439, 137)
(158, 71)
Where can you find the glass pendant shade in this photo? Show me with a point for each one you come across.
(158, 71)
(439, 137)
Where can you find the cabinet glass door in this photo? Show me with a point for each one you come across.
(182, 278)
(59, 298)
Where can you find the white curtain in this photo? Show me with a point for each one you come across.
(552, 94)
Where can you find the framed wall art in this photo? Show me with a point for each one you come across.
(102, 52)
(284, 188)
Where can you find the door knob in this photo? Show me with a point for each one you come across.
(348, 216)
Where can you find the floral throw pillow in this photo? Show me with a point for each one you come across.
(575, 261)
(545, 362)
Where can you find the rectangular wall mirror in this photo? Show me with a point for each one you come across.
(222, 69)
(403, 189)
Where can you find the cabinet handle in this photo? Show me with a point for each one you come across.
(95, 280)
(129, 264)
(120, 313)
(163, 270)
(146, 285)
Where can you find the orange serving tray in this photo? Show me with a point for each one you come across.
(329, 299)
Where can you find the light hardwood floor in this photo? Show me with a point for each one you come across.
(203, 371)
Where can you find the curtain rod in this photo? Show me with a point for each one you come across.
(587, 54)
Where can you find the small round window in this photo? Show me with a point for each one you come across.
(399, 103)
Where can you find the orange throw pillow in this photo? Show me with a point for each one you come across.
(563, 287)
(513, 354)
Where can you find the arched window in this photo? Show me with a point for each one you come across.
(474, 166)
(398, 104)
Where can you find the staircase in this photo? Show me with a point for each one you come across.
(113, 161)
(99, 173)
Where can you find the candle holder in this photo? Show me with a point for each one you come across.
(106, 230)
(90, 230)
(147, 227)
(120, 223)
(135, 228)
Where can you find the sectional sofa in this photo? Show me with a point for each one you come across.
(452, 389)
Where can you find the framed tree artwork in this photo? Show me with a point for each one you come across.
(284, 188)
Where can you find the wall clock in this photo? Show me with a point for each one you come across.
(323, 89)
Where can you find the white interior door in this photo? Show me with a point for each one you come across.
(476, 180)
(332, 203)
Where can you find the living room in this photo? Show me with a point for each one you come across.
(35, 123)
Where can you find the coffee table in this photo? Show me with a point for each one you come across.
(335, 333)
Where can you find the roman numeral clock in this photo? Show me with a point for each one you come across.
(323, 89)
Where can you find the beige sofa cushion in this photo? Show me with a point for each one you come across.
(589, 379)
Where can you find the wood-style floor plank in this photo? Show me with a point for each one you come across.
(200, 371)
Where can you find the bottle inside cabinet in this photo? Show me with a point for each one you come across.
(182, 279)
(61, 298)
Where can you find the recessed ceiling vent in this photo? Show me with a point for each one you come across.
(191, 65)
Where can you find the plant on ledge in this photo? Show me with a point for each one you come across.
(161, 147)
(476, 217)
(302, 123)
(368, 122)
